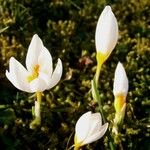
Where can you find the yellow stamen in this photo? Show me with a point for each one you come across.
(34, 74)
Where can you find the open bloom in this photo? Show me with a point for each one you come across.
(88, 129)
(120, 87)
(106, 35)
(38, 74)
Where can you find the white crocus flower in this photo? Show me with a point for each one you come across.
(106, 35)
(88, 129)
(121, 84)
(120, 90)
(38, 74)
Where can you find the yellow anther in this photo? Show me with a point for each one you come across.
(34, 74)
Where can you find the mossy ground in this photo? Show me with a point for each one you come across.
(67, 29)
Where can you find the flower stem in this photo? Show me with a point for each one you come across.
(96, 97)
(37, 111)
(111, 145)
(97, 75)
(100, 57)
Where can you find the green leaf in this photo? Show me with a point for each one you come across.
(95, 93)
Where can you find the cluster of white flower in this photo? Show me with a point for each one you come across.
(39, 76)
(89, 127)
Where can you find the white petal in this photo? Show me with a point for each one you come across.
(18, 75)
(45, 62)
(97, 135)
(121, 84)
(12, 79)
(82, 126)
(45, 78)
(38, 85)
(96, 117)
(95, 124)
(56, 75)
(33, 53)
(106, 35)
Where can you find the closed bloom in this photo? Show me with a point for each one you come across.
(106, 35)
(38, 74)
(88, 129)
(120, 87)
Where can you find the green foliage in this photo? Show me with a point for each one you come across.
(67, 28)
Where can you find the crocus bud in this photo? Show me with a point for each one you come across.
(88, 129)
(106, 35)
(120, 88)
